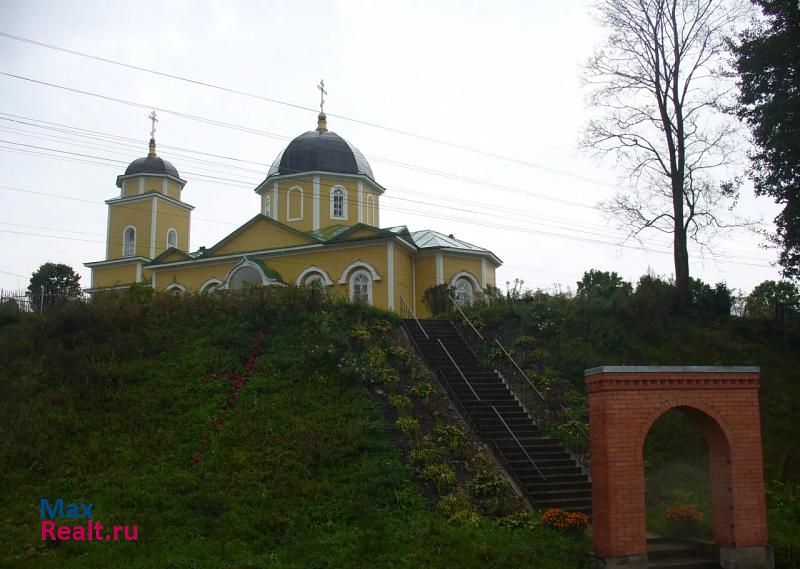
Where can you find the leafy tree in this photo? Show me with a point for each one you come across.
(768, 62)
(656, 94)
(437, 298)
(53, 280)
(602, 283)
(768, 297)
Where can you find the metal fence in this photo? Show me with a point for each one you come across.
(27, 301)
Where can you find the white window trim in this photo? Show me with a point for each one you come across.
(370, 216)
(289, 203)
(351, 282)
(124, 231)
(268, 206)
(343, 278)
(208, 283)
(344, 202)
(175, 286)
(476, 285)
(311, 270)
(172, 229)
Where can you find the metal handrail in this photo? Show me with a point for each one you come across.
(519, 444)
(496, 412)
(464, 316)
(519, 369)
(544, 412)
(414, 314)
(464, 377)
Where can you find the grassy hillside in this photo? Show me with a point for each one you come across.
(234, 432)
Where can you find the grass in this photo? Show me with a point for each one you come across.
(145, 407)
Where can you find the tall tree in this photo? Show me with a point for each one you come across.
(768, 62)
(53, 281)
(658, 97)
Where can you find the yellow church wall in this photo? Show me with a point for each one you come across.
(193, 276)
(130, 187)
(114, 275)
(138, 215)
(168, 217)
(425, 271)
(403, 277)
(262, 235)
(454, 264)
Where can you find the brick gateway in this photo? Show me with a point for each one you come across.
(624, 402)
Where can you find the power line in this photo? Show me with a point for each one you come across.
(302, 107)
(110, 138)
(258, 132)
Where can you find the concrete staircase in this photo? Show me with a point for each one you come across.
(546, 472)
(664, 553)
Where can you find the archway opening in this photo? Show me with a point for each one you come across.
(677, 477)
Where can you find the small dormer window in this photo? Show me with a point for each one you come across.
(172, 238)
(338, 203)
(129, 242)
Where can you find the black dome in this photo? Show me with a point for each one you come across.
(323, 151)
(152, 165)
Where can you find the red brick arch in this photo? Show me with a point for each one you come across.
(624, 402)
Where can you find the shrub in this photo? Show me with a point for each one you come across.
(683, 519)
(451, 436)
(437, 299)
(425, 454)
(360, 332)
(409, 426)
(401, 403)
(422, 390)
(381, 326)
(442, 475)
(486, 485)
(388, 377)
(682, 514)
(563, 520)
(519, 520)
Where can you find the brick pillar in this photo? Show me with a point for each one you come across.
(624, 402)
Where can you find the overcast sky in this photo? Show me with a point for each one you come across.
(502, 77)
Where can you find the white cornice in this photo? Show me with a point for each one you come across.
(120, 261)
(380, 189)
(149, 195)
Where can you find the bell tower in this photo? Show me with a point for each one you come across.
(148, 217)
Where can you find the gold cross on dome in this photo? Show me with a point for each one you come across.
(154, 120)
(322, 93)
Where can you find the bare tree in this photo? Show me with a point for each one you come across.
(660, 95)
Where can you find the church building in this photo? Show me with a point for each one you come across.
(319, 222)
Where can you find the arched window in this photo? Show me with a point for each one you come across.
(463, 293)
(314, 279)
(361, 287)
(294, 204)
(338, 203)
(370, 217)
(129, 242)
(176, 288)
(211, 286)
(268, 206)
(172, 238)
(246, 275)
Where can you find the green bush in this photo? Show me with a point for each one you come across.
(451, 436)
(409, 426)
(424, 454)
(401, 404)
(422, 390)
(441, 475)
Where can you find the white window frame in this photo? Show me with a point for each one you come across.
(289, 203)
(313, 270)
(209, 283)
(351, 283)
(268, 206)
(172, 230)
(176, 287)
(132, 252)
(370, 215)
(333, 196)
